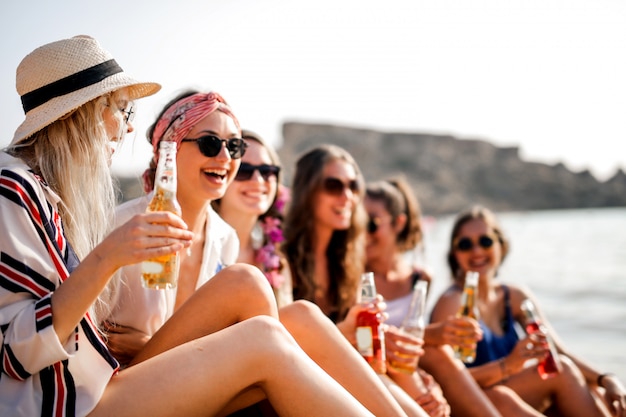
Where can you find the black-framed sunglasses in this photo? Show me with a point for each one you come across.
(211, 145)
(334, 186)
(372, 224)
(466, 244)
(246, 171)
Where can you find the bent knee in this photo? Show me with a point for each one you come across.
(244, 275)
(301, 310)
(266, 329)
(570, 369)
(302, 314)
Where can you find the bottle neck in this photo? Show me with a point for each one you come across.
(166, 167)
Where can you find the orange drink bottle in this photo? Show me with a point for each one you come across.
(370, 336)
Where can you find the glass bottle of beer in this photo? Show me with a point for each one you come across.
(370, 337)
(162, 272)
(414, 322)
(469, 308)
(550, 365)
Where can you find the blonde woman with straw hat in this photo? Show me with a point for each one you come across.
(58, 253)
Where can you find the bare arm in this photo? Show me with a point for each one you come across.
(144, 236)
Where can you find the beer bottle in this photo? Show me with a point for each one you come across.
(162, 272)
(469, 308)
(414, 322)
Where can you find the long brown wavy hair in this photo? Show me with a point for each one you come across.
(346, 250)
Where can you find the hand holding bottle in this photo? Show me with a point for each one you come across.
(347, 326)
(144, 236)
(528, 348)
(403, 349)
(454, 331)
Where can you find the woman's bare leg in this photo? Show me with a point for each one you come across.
(324, 343)
(234, 294)
(509, 403)
(465, 396)
(200, 377)
(567, 391)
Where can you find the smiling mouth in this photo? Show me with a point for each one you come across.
(216, 173)
(342, 211)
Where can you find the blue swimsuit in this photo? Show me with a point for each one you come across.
(493, 346)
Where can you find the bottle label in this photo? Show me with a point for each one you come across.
(365, 341)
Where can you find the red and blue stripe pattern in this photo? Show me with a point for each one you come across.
(57, 382)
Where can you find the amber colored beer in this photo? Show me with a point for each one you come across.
(469, 308)
(162, 272)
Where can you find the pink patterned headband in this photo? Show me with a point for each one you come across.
(178, 120)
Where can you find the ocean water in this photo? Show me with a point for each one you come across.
(574, 261)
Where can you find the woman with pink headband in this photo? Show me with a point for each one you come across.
(213, 292)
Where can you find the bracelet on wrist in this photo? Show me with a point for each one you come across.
(602, 376)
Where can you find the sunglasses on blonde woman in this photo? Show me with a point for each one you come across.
(334, 186)
(211, 145)
(246, 171)
(465, 244)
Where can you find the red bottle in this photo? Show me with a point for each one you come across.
(370, 337)
(550, 365)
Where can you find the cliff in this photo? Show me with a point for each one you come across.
(448, 174)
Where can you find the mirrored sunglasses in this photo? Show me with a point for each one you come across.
(246, 171)
(211, 145)
(465, 244)
(336, 187)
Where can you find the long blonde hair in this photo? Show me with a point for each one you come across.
(72, 156)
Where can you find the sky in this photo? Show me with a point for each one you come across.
(547, 76)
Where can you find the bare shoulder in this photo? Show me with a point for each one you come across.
(447, 304)
(517, 294)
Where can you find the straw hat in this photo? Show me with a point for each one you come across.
(61, 76)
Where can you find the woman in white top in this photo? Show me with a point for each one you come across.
(254, 205)
(212, 293)
(395, 227)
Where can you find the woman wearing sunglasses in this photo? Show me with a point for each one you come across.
(394, 228)
(478, 244)
(213, 290)
(325, 241)
(253, 205)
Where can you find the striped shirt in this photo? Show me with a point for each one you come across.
(40, 374)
